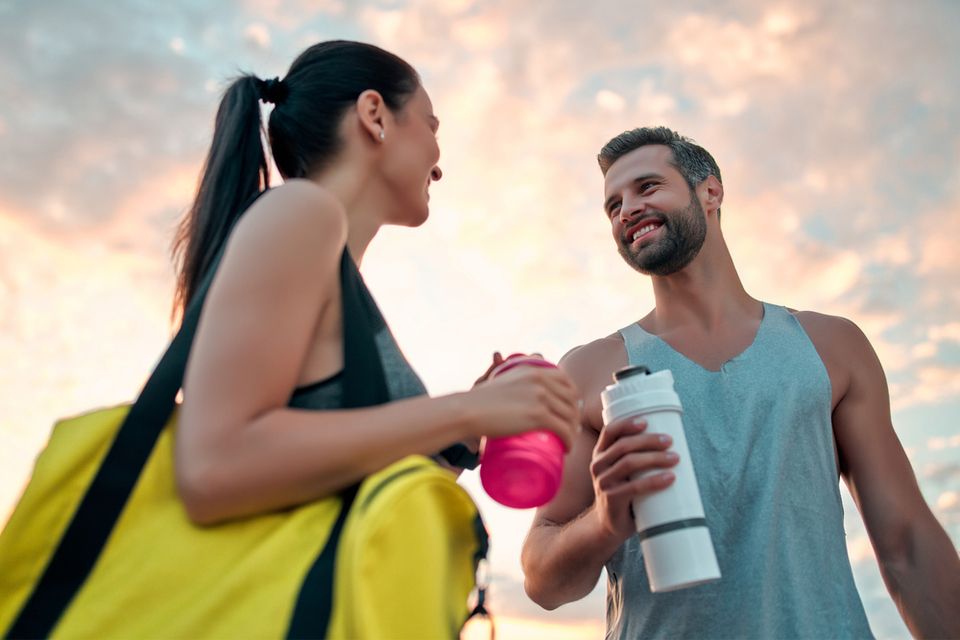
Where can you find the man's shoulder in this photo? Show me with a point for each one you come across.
(589, 352)
(831, 334)
(592, 362)
(824, 323)
(591, 367)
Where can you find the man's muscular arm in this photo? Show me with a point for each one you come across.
(575, 534)
(918, 562)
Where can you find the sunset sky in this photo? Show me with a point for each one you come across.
(834, 125)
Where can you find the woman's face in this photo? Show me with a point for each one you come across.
(410, 159)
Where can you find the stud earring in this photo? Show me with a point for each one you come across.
(382, 135)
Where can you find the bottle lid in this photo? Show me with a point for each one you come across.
(631, 370)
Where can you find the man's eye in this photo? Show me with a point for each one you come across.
(613, 209)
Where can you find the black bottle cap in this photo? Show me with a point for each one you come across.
(632, 370)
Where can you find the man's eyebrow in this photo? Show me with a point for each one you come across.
(435, 121)
(638, 179)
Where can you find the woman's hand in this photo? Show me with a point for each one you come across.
(497, 361)
(473, 444)
(524, 399)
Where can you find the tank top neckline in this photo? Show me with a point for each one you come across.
(764, 321)
(318, 384)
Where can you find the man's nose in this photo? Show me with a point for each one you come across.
(629, 209)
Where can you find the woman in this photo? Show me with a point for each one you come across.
(354, 135)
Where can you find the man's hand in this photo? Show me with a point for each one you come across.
(628, 463)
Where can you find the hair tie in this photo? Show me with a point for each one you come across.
(273, 90)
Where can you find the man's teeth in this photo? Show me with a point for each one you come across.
(643, 230)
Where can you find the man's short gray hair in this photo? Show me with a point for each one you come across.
(692, 161)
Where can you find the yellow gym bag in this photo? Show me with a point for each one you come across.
(100, 546)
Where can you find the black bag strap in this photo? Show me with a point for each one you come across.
(105, 498)
(364, 381)
(364, 385)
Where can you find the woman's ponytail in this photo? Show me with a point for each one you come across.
(235, 171)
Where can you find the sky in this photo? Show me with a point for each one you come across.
(834, 125)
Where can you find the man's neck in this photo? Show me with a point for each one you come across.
(706, 295)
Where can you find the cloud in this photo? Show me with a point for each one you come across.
(932, 383)
(942, 472)
(946, 332)
(290, 14)
(610, 100)
(654, 104)
(938, 258)
(747, 50)
(948, 503)
(476, 33)
(939, 443)
(257, 35)
(92, 116)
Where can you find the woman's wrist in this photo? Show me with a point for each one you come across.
(459, 420)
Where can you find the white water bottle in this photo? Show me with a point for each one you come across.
(676, 544)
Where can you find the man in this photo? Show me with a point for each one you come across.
(777, 404)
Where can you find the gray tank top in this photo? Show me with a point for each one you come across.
(761, 440)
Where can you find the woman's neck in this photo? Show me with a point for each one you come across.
(351, 186)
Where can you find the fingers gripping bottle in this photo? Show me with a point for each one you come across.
(674, 538)
(525, 470)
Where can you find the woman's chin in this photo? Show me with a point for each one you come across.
(422, 219)
(411, 218)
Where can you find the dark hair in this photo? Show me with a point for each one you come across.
(693, 162)
(321, 84)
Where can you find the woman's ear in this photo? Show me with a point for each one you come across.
(371, 111)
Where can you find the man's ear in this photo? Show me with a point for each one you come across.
(711, 194)
(371, 112)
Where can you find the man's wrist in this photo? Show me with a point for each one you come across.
(600, 538)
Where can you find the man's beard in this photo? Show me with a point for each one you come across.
(681, 237)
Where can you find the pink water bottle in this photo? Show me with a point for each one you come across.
(525, 470)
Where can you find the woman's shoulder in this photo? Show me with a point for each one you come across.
(298, 213)
(301, 200)
(296, 227)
